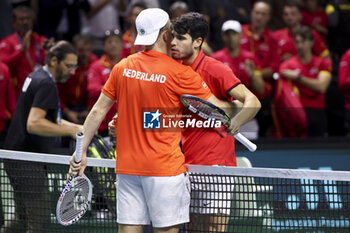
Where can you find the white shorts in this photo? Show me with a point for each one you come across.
(163, 200)
(211, 194)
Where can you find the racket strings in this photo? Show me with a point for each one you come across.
(75, 200)
(210, 112)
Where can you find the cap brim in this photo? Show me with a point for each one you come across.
(148, 39)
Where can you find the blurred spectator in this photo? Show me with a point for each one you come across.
(102, 16)
(338, 12)
(73, 93)
(258, 39)
(315, 17)
(7, 100)
(130, 35)
(22, 51)
(5, 19)
(100, 70)
(177, 9)
(243, 63)
(292, 19)
(311, 74)
(344, 85)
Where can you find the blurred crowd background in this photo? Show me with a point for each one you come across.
(103, 32)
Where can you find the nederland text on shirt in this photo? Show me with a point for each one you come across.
(157, 78)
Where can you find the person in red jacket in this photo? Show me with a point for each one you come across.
(242, 62)
(73, 93)
(22, 51)
(292, 18)
(344, 85)
(7, 100)
(315, 16)
(259, 40)
(100, 71)
(312, 76)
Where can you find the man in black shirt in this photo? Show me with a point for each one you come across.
(36, 121)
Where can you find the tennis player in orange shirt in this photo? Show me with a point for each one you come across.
(152, 183)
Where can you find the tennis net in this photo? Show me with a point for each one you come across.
(223, 199)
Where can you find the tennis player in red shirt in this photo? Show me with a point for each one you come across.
(207, 147)
(22, 51)
(292, 18)
(312, 75)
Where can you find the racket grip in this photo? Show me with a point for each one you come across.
(79, 147)
(246, 142)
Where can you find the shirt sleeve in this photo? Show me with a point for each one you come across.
(226, 79)
(110, 87)
(319, 47)
(7, 53)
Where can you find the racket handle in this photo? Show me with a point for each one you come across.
(246, 142)
(79, 147)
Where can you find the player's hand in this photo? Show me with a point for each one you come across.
(234, 127)
(77, 168)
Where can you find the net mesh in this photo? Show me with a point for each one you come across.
(245, 200)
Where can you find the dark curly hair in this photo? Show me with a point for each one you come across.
(192, 23)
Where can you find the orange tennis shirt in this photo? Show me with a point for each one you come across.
(143, 81)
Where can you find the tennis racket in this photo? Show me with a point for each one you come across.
(76, 196)
(208, 110)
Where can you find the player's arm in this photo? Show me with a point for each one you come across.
(91, 124)
(39, 125)
(251, 104)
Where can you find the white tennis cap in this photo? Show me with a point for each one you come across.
(148, 24)
(231, 25)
